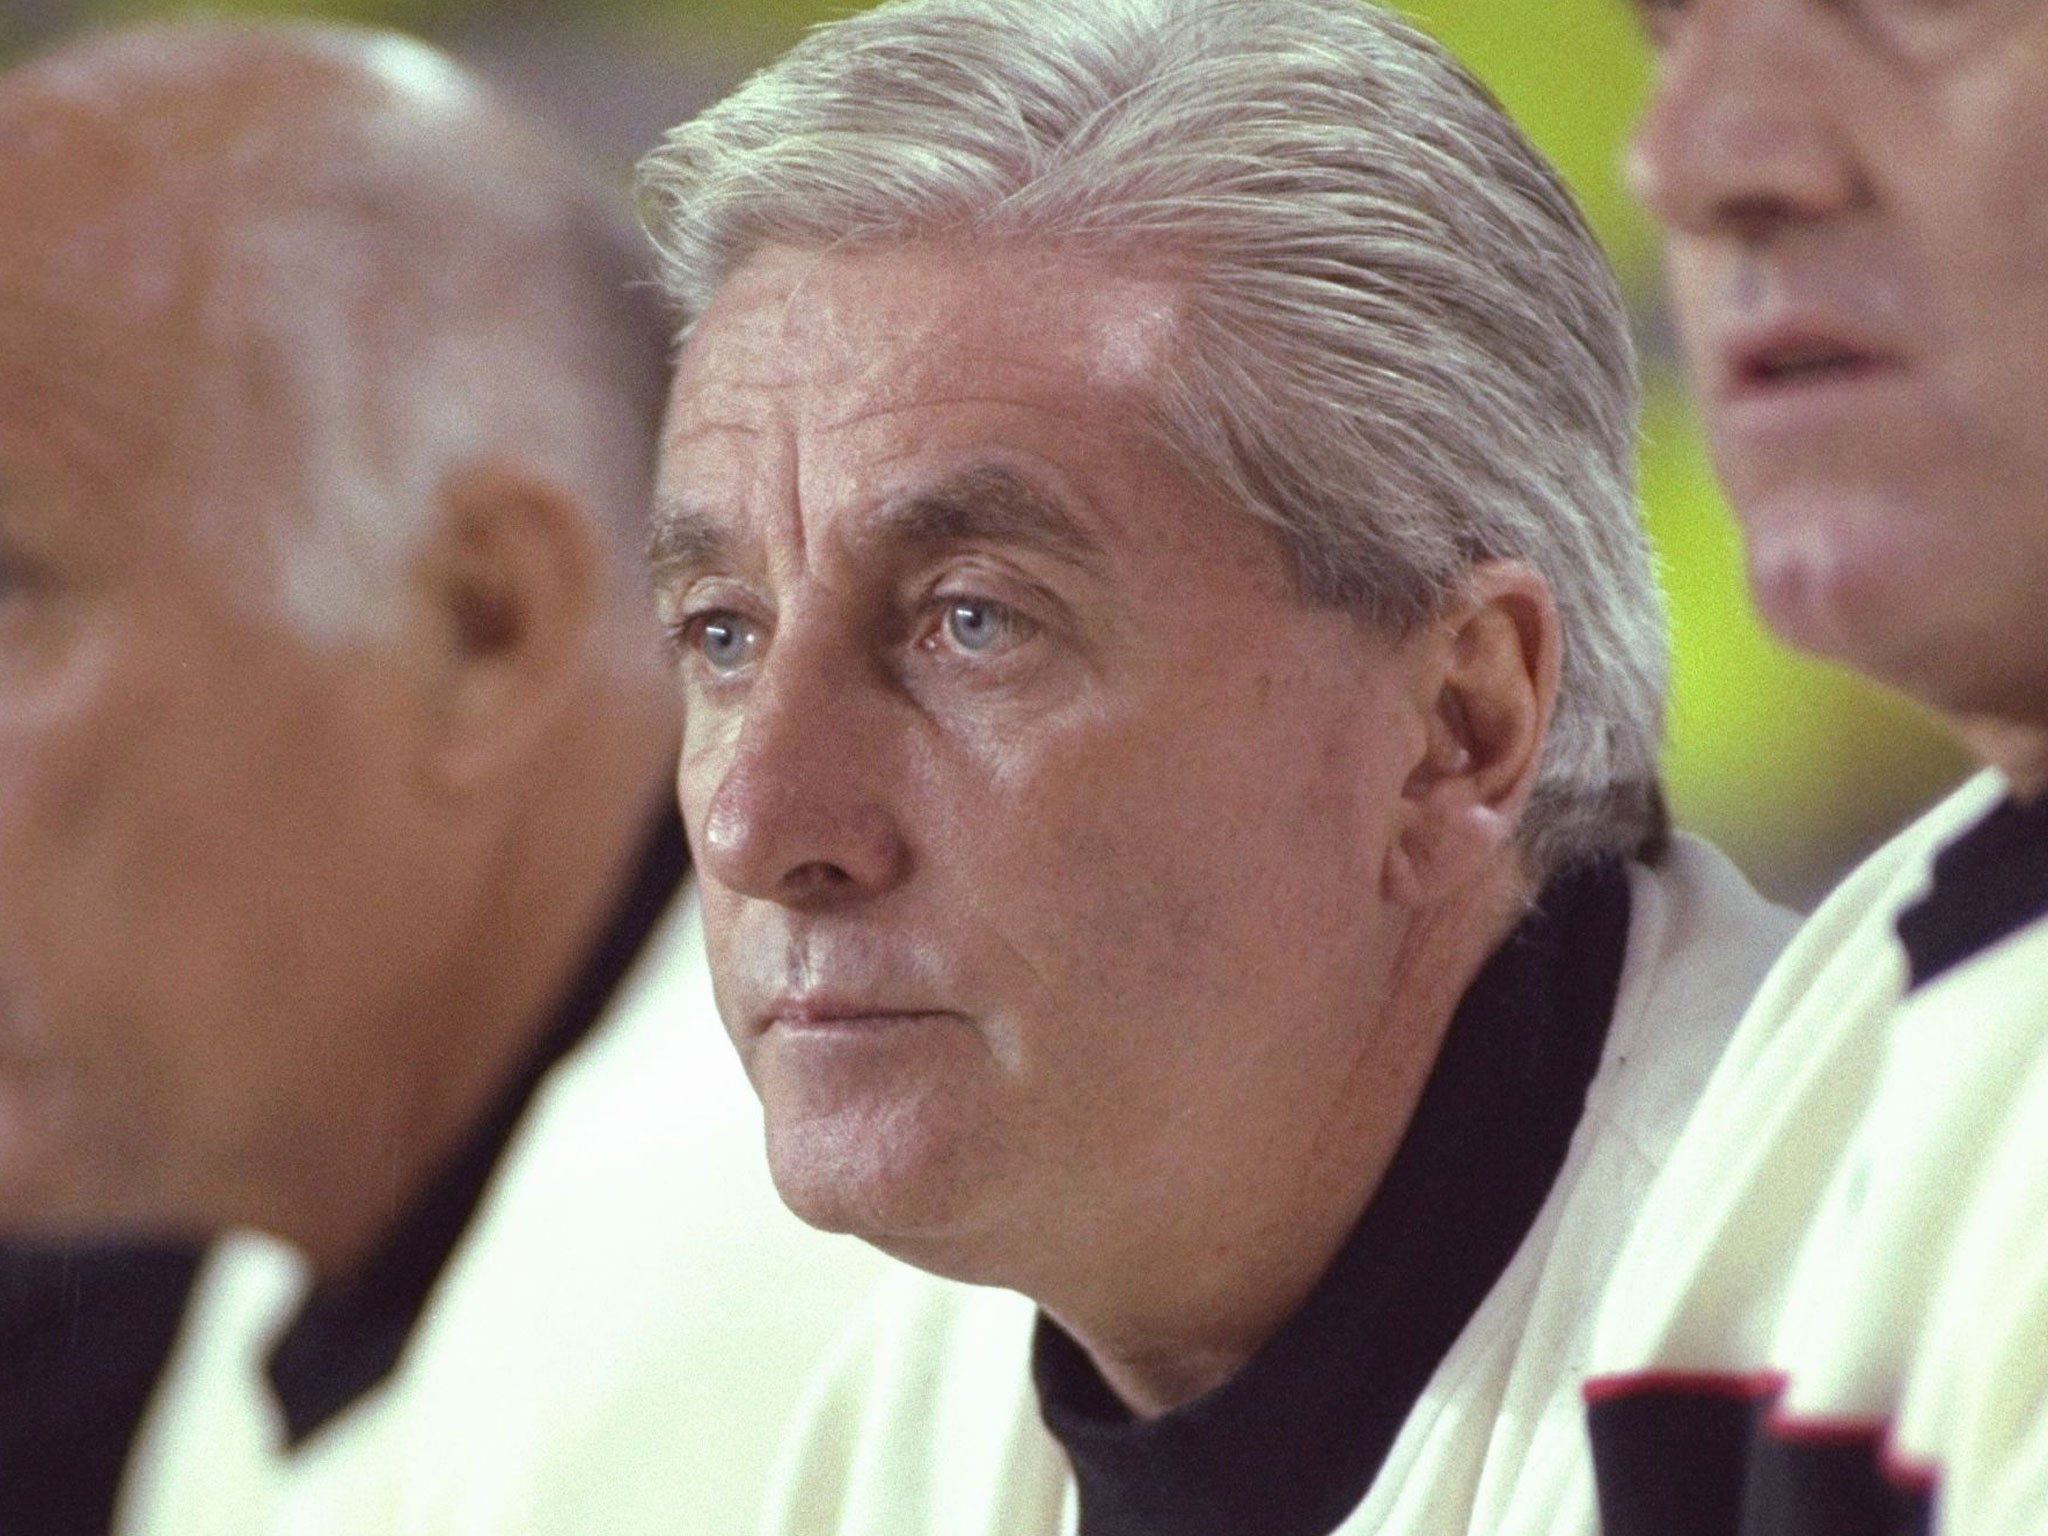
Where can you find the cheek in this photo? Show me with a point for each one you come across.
(65, 773)
(176, 846)
(698, 773)
(1693, 275)
(84, 954)
(1174, 871)
(1981, 201)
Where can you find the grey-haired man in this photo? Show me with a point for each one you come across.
(1172, 685)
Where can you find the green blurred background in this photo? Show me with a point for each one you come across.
(1793, 767)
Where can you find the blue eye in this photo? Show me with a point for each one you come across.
(725, 640)
(977, 625)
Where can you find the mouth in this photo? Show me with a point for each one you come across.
(841, 1017)
(1803, 367)
(1792, 362)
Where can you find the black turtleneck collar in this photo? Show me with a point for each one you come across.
(347, 1338)
(1289, 1445)
(1988, 884)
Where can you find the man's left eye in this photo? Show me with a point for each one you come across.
(979, 625)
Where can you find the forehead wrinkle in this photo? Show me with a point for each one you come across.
(989, 503)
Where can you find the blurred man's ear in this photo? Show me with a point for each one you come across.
(507, 597)
(1490, 662)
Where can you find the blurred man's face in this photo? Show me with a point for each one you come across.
(1855, 194)
(1040, 823)
(200, 814)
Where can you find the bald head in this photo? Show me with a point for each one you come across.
(331, 707)
(322, 266)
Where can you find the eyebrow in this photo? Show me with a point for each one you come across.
(989, 503)
(684, 539)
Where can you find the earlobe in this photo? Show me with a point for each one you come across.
(508, 585)
(1489, 669)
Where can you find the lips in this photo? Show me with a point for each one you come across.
(1799, 355)
(1801, 364)
(805, 975)
(826, 1015)
(844, 1004)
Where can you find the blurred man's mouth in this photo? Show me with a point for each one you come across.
(1791, 359)
(1795, 379)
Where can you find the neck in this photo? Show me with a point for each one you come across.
(546, 883)
(2017, 748)
(1181, 1317)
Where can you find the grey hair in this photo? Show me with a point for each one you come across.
(453, 289)
(391, 279)
(401, 356)
(1402, 349)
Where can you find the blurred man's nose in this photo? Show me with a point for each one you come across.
(801, 812)
(1741, 136)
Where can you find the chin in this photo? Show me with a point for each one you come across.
(878, 1132)
(1842, 578)
(917, 1188)
(875, 1175)
(46, 1197)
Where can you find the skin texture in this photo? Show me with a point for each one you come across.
(1875, 175)
(277, 913)
(1087, 909)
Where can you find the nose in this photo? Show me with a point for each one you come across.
(1742, 134)
(799, 810)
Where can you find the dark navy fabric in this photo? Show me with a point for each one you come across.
(1289, 1446)
(1988, 884)
(1712, 1456)
(84, 1334)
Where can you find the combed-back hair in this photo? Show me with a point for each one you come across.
(1402, 348)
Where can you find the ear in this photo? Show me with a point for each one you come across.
(1489, 669)
(507, 595)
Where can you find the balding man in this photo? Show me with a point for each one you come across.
(342, 895)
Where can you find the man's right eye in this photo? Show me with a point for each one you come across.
(727, 641)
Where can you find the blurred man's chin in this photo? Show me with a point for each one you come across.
(57, 1184)
(38, 1207)
(30, 1202)
(1838, 574)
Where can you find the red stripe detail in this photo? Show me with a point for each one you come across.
(1903, 1472)
(1823, 1429)
(1907, 1473)
(1743, 1387)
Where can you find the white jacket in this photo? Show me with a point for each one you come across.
(1857, 1219)
(926, 1422)
(614, 1347)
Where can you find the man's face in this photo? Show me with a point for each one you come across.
(1856, 200)
(1041, 826)
(200, 814)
